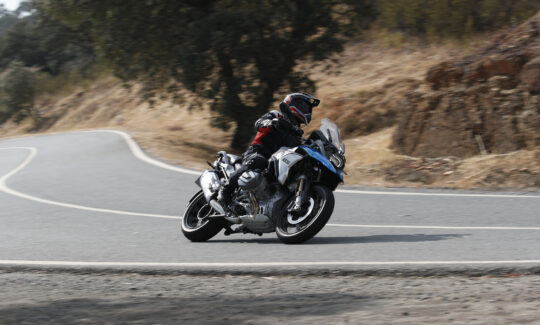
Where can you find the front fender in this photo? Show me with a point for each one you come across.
(322, 159)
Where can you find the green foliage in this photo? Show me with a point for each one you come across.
(405, 15)
(238, 54)
(452, 18)
(17, 93)
(7, 19)
(39, 41)
(62, 53)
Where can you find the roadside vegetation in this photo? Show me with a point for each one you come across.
(213, 66)
(437, 20)
(236, 56)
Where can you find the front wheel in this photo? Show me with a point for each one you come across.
(296, 230)
(197, 225)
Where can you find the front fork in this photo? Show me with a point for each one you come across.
(301, 194)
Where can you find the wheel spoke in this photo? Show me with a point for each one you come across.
(289, 228)
(196, 215)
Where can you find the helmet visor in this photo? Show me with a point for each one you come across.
(302, 110)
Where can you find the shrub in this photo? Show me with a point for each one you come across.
(17, 91)
(438, 19)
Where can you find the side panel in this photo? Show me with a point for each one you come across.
(285, 159)
(285, 165)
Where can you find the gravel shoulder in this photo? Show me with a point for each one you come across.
(65, 298)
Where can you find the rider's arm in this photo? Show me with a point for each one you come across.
(275, 120)
(266, 121)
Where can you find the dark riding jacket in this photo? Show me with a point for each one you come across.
(271, 135)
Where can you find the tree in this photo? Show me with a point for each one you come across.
(17, 93)
(45, 43)
(238, 54)
(7, 19)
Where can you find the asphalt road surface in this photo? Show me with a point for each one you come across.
(94, 199)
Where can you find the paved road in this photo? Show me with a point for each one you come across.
(94, 199)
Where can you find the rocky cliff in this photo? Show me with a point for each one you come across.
(488, 102)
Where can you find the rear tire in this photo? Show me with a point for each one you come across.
(319, 215)
(198, 229)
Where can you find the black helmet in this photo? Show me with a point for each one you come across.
(298, 106)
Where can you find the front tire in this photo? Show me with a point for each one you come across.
(322, 199)
(195, 225)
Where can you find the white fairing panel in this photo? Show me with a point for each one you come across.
(285, 158)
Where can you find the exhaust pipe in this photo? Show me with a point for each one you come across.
(216, 206)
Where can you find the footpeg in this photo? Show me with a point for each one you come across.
(228, 231)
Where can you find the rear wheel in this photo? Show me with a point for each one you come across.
(295, 230)
(197, 225)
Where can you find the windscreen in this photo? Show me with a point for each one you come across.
(332, 133)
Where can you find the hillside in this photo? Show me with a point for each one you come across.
(363, 92)
(487, 102)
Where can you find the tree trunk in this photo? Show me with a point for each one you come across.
(245, 128)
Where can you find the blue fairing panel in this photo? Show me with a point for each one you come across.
(319, 156)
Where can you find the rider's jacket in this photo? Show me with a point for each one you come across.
(271, 136)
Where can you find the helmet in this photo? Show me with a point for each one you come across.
(298, 106)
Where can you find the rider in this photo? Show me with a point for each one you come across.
(274, 130)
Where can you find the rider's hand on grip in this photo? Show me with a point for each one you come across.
(275, 123)
(282, 124)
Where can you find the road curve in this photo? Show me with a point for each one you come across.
(95, 200)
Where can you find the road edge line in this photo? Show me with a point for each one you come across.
(404, 269)
(141, 155)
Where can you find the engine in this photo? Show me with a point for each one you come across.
(256, 183)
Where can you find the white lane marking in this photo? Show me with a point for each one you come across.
(516, 196)
(252, 264)
(17, 169)
(4, 188)
(33, 151)
(434, 227)
(139, 154)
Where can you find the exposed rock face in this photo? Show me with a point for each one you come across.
(530, 76)
(488, 102)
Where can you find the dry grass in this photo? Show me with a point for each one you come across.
(361, 92)
(165, 130)
(374, 164)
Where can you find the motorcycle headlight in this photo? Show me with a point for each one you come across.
(337, 160)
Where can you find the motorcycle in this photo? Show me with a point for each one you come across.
(293, 196)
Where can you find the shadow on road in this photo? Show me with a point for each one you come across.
(352, 239)
(384, 239)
